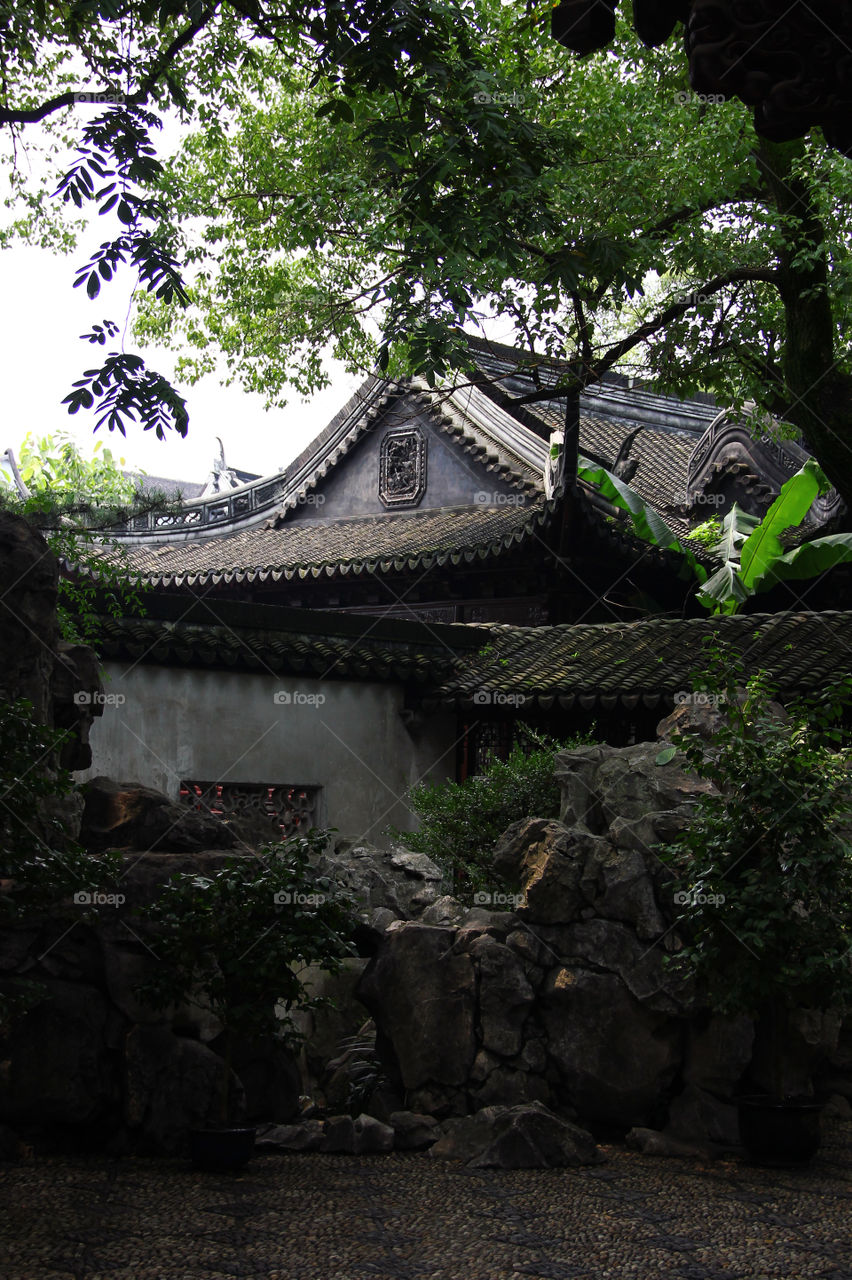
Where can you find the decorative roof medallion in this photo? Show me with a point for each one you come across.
(402, 468)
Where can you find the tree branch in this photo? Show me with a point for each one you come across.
(32, 115)
(588, 373)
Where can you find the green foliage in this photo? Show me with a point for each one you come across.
(751, 551)
(363, 178)
(708, 533)
(647, 522)
(460, 822)
(235, 939)
(41, 866)
(364, 1070)
(765, 867)
(72, 501)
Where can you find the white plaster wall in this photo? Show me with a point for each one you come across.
(164, 724)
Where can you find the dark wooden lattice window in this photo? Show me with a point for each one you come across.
(286, 809)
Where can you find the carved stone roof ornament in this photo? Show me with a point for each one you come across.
(787, 59)
(731, 456)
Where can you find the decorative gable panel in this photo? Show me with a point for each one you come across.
(402, 468)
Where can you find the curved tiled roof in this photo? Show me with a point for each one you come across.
(311, 548)
(223, 647)
(493, 666)
(611, 663)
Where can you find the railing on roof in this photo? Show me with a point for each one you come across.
(207, 513)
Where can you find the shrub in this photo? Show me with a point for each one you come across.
(41, 866)
(460, 822)
(765, 866)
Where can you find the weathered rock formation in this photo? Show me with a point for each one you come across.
(570, 1000)
(61, 680)
(91, 1061)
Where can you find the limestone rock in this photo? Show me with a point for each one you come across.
(565, 873)
(505, 996)
(575, 772)
(616, 1058)
(630, 783)
(610, 946)
(126, 815)
(372, 1136)
(414, 1131)
(444, 911)
(524, 1137)
(172, 1084)
(717, 1054)
(652, 1142)
(422, 996)
(397, 879)
(62, 1057)
(76, 690)
(700, 1117)
(308, 1135)
(339, 1135)
(506, 1087)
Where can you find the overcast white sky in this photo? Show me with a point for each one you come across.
(41, 356)
(41, 318)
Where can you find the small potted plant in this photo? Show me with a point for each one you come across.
(765, 878)
(235, 939)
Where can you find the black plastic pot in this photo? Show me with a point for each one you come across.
(221, 1150)
(779, 1130)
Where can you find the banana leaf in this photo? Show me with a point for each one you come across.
(647, 522)
(788, 511)
(724, 591)
(809, 560)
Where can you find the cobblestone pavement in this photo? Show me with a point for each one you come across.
(409, 1217)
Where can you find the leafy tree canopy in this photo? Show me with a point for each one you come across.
(73, 501)
(370, 178)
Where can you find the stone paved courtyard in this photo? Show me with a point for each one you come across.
(410, 1217)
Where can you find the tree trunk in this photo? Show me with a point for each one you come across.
(819, 394)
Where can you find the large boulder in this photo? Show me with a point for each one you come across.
(524, 1137)
(617, 1059)
(567, 874)
(505, 996)
(422, 994)
(127, 815)
(395, 880)
(630, 783)
(173, 1084)
(61, 1060)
